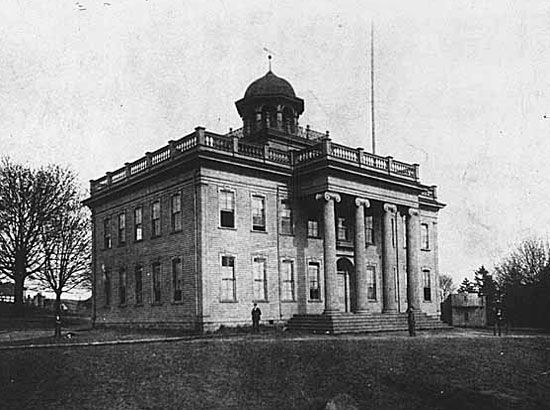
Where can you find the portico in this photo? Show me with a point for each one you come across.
(389, 262)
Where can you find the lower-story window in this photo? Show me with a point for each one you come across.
(139, 285)
(157, 296)
(228, 279)
(260, 288)
(427, 285)
(177, 279)
(313, 279)
(287, 267)
(371, 283)
(107, 286)
(122, 286)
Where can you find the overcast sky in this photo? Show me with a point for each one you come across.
(461, 88)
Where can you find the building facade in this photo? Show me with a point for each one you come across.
(273, 213)
(465, 310)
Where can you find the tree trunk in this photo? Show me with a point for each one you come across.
(58, 315)
(18, 289)
(19, 282)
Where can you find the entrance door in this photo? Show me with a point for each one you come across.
(346, 285)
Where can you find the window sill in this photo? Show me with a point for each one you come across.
(288, 301)
(257, 231)
(228, 228)
(315, 301)
(425, 249)
(260, 301)
(286, 234)
(229, 301)
(427, 301)
(314, 237)
(373, 301)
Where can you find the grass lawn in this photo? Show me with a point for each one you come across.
(256, 372)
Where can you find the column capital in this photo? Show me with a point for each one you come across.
(362, 202)
(391, 208)
(414, 212)
(327, 196)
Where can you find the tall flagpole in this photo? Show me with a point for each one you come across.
(372, 87)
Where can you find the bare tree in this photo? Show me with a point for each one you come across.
(28, 198)
(67, 253)
(446, 285)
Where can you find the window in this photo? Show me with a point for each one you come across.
(369, 229)
(155, 219)
(393, 232)
(177, 279)
(404, 225)
(260, 283)
(139, 285)
(107, 233)
(466, 317)
(424, 236)
(122, 286)
(122, 228)
(227, 208)
(342, 232)
(287, 268)
(156, 283)
(313, 228)
(228, 278)
(396, 283)
(427, 285)
(286, 218)
(371, 283)
(138, 224)
(313, 278)
(107, 284)
(176, 221)
(258, 213)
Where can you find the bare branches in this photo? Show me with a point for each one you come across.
(30, 200)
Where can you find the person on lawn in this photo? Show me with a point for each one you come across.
(256, 316)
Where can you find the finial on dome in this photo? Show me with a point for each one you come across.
(269, 59)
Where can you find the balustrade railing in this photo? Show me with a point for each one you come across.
(232, 144)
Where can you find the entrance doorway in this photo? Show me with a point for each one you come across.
(346, 285)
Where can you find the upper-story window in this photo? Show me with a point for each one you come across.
(122, 228)
(176, 220)
(313, 228)
(227, 208)
(424, 236)
(286, 218)
(138, 224)
(404, 227)
(258, 213)
(107, 244)
(369, 229)
(155, 219)
(342, 231)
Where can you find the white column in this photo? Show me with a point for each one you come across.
(413, 246)
(361, 255)
(389, 263)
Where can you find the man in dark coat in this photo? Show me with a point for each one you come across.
(256, 316)
(411, 321)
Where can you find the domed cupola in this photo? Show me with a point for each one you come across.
(270, 103)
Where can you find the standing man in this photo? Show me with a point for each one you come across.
(256, 316)
(498, 321)
(412, 321)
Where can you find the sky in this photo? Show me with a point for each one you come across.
(461, 88)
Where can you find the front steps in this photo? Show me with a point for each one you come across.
(362, 322)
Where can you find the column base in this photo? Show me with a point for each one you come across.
(362, 311)
(331, 312)
(389, 310)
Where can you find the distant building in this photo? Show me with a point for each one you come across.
(465, 310)
(193, 233)
(7, 292)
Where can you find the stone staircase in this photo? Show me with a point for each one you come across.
(357, 323)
